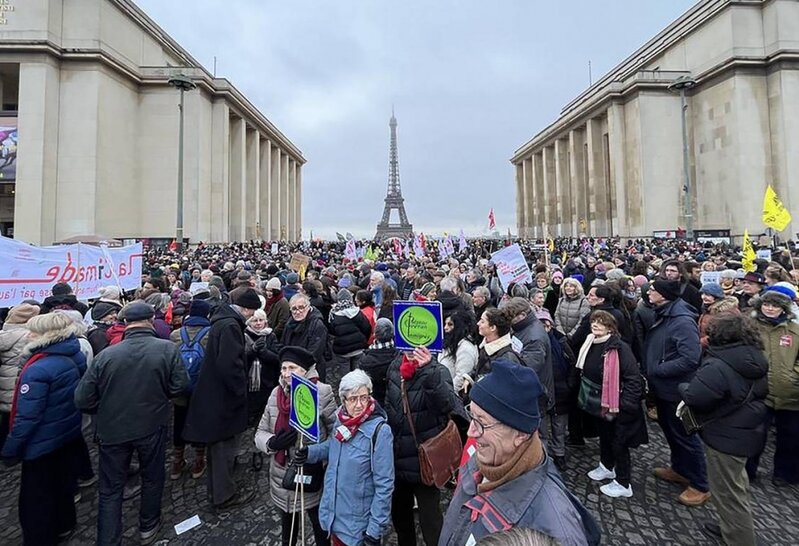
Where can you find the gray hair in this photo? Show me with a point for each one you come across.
(299, 296)
(449, 284)
(483, 291)
(158, 301)
(354, 381)
(519, 536)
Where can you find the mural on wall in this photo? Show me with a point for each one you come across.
(8, 149)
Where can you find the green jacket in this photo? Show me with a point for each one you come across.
(782, 351)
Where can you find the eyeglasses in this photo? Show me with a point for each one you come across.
(479, 426)
(362, 398)
(298, 308)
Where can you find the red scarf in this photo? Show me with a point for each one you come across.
(272, 300)
(27, 365)
(408, 368)
(352, 423)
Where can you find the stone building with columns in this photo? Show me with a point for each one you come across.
(98, 126)
(612, 163)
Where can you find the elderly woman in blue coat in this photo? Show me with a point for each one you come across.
(359, 481)
(45, 429)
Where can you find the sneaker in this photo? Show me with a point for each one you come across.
(693, 497)
(88, 482)
(615, 489)
(667, 474)
(131, 491)
(712, 528)
(149, 536)
(238, 498)
(601, 473)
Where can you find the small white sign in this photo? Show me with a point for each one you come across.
(274, 248)
(187, 525)
(710, 277)
(764, 255)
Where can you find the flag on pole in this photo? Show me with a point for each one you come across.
(350, 252)
(406, 251)
(447, 248)
(340, 237)
(423, 241)
(462, 244)
(552, 245)
(749, 255)
(350, 236)
(775, 215)
(492, 223)
(418, 249)
(397, 247)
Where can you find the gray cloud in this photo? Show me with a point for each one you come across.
(470, 82)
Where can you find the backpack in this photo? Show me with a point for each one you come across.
(192, 353)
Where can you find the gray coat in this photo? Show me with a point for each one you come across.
(536, 353)
(537, 499)
(13, 338)
(283, 498)
(570, 312)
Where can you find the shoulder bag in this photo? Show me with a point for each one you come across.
(692, 424)
(439, 456)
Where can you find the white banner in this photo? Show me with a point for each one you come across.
(511, 266)
(29, 272)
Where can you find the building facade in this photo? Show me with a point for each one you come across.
(98, 126)
(612, 163)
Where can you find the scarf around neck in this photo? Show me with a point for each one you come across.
(408, 368)
(526, 457)
(352, 424)
(591, 339)
(282, 422)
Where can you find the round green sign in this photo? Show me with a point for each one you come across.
(304, 406)
(418, 326)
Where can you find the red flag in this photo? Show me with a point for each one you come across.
(492, 223)
(423, 241)
(173, 246)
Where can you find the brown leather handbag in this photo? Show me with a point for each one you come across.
(439, 456)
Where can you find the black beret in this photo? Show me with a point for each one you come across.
(297, 355)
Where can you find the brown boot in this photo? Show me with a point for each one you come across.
(178, 464)
(667, 474)
(693, 497)
(199, 465)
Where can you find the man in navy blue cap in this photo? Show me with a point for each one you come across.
(511, 466)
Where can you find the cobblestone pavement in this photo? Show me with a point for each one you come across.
(651, 517)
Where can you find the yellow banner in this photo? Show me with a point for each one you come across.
(749, 255)
(775, 215)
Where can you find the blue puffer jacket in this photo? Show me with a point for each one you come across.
(46, 417)
(359, 481)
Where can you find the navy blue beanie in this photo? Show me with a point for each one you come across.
(510, 394)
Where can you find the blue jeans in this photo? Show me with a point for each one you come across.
(687, 454)
(114, 463)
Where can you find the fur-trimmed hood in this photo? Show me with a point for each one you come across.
(724, 305)
(41, 343)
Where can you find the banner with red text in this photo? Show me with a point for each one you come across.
(29, 272)
(511, 266)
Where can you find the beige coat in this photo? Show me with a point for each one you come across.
(13, 338)
(283, 498)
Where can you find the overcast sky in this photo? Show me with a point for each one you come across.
(470, 82)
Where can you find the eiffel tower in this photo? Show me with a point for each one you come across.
(394, 199)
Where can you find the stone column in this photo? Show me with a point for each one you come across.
(265, 191)
(565, 218)
(251, 201)
(529, 197)
(597, 190)
(238, 178)
(274, 205)
(285, 213)
(578, 173)
(550, 192)
(292, 204)
(540, 197)
(220, 172)
(37, 174)
(298, 200)
(520, 212)
(618, 180)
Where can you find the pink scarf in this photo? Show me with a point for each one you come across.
(610, 383)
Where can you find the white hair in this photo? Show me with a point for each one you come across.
(299, 296)
(354, 381)
(377, 275)
(448, 284)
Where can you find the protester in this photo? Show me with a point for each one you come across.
(276, 307)
(306, 328)
(350, 330)
(714, 302)
(751, 285)
(45, 429)
(378, 357)
(131, 416)
(510, 481)
(495, 327)
(62, 297)
(460, 353)
(572, 307)
(13, 339)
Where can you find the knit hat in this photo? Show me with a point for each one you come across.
(102, 309)
(668, 289)
(510, 393)
(783, 288)
(557, 275)
(21, 313)
(292, 278)
(427, 288)
(384, 330)
(273, 284)
(543, 314)
(246, 298)
(298, 355)
(640, 280)
(199, 308)
(614, 274)
(344, 296)
(199, 290)
(344, 282)
(776, 298)
(138, 310)
(712, 289)
(109, 293)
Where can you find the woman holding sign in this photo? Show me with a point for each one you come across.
(277, 438)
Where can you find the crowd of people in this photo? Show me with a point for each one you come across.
(604, 337)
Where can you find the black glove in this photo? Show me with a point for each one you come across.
(369, 541)
(283, 440)
(300, 456)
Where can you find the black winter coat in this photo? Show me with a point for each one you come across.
(536, 354)
(718, 391)
(376, 362)
(690, 295)
(430, 397)
(218, 408)
(451, 303)
(630, 422)
(672, 352)
(563, 371)
(625, 330)
(310, 334)
(643, 319)
(350, 330)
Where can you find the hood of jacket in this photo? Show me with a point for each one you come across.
(724, 305)
(748, 361)
(51, 342)
(349, 312)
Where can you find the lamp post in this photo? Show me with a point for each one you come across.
(681, 84)
(183, 83)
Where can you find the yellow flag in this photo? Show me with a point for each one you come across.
(775, 215)
(552, 245)
(749, 255)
